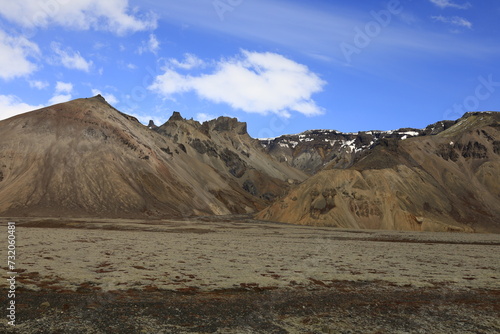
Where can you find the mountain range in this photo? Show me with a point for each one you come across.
(443, 178)
(84, 158)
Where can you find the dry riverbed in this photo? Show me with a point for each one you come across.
(237, 275)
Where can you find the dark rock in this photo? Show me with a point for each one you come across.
(437, 127)
(250, 187)
(448, 152)
(204, 147)
(473, 150)
(152, 125)
(270, 197)
(496, 146)
(176, 116)
(237, 167)
(167, 150)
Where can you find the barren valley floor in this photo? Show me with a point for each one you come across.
(238, 275)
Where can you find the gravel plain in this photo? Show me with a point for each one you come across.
(238, 275)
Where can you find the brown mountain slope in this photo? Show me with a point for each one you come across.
(85, 158)
(450, 181)
(224, 144)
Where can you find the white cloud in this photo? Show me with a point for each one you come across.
(109, 15)
(203, 117)
(108, 97)
(253, 82)
(11, 105)
(62, 93)
(131, 66)
(64, 87)
(14, 54)
(455, 20)
(151, 45)
(190, 61)
(450, 4)
(59, 98)
(70, 59)
(38, 84)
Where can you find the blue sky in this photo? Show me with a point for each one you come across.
(281, 66)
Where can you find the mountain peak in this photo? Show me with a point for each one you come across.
(99, 98)
(176, 116)
(152, 125)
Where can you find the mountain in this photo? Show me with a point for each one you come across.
(446, 180)
(225, 145)
(85, 158)
(313, 150)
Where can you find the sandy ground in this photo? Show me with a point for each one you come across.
(237, 257)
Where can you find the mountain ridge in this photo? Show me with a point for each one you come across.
(312, 150)
(85, 158)
(442, 182)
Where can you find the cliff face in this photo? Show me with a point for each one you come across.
(85, 158)
(443, 182)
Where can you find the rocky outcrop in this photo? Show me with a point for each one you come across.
(225, 124)
(152, 125)
(176, 116)
(225, 146)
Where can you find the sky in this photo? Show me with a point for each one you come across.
(281, 66)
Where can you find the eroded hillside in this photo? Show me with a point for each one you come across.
(85, 158)
(444, 182)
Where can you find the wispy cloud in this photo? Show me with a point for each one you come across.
(450, 4)
(290, 25)
(293, 25)
(253, 82)
(190, 61)
(14, 56)
(70, 59)
(151, 45)
(38, 84)
(455, 20)
(109, 15)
